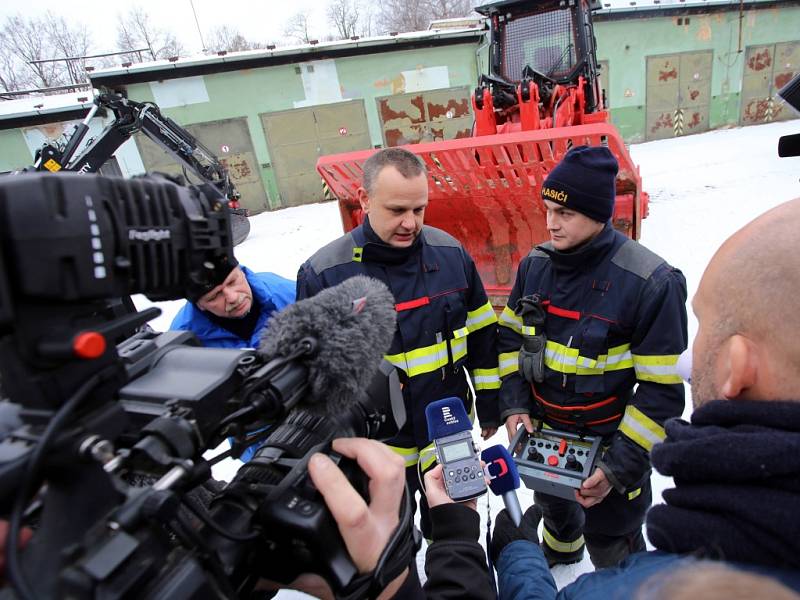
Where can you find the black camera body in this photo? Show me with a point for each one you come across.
(105, 422)
(789, 145)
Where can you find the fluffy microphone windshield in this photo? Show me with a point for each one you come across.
(353, 324)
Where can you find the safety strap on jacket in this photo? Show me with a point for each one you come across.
(587, 414)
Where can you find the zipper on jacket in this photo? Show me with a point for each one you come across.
(564, 375)
(439, 341)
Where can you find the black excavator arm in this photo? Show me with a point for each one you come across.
(131, 117)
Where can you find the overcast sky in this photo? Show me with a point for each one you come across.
(260, 20)
(257, 20)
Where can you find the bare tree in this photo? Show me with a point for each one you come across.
(448, 9)
(229, 38)
(23, 40)
(299, 28)
(403, 15)
(135, 30)
(10, 75)
(344, 15)
(368, 21)
(69, 42)
(416, 15)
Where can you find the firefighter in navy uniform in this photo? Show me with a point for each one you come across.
(588, 343)
(446, 327)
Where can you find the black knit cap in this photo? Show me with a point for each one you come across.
(584, 181)
(209, 275)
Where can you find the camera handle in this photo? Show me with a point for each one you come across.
(398, 554)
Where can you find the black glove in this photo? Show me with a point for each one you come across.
(531, 358)
(506, 532)
(531, 355)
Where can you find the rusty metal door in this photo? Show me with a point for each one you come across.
(229, 140)
(298, 137)
(678, 94)
(766, 70)
(430, 116)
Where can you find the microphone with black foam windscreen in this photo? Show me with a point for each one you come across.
(451, 432)
(503, 479)
(345, 330)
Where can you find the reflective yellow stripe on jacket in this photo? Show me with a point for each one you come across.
(508, 363)
(640, 428)
(429, 358)
(412, 455)
(428, 453)
(486, 379)
(511, 320)
(564, 359)
(657, 368)
(481, 317)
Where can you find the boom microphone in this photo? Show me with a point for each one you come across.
(350, 325)
(504, 479)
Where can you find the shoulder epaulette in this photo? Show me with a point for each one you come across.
(536, 253)
(437, 237)
(338, 252)
(636, 259)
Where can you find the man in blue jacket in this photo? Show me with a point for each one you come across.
(588, 343)
(736, 466)
(233, 313)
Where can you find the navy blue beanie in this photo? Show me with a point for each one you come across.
(584, 181)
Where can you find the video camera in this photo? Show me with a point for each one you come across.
(103, 422)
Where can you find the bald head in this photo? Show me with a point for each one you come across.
(751, 289)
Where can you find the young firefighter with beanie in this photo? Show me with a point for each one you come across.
(589, 343)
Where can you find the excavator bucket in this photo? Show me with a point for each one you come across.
(485, 191)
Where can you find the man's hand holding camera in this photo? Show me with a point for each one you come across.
(365, 528)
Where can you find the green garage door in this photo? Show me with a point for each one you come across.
(298, 137)
(678, 94)
(229, 140)
(766, 70)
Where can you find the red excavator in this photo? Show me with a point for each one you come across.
(541, 97)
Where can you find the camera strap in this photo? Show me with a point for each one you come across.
(399, 553)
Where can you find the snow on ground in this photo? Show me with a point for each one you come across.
(702, 188)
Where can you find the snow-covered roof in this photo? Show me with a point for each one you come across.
(295, 53)
(470, 22)
(620, 6)
(34, 105)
